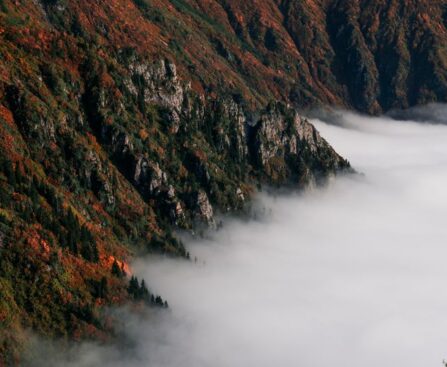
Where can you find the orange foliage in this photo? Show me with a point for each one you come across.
(106, 80)
(6, 115)
(93, 141)
(201, 155)
(183, 172)
(99, 208)
(143, 134)
(18, 197)
(8, 144)
(36, 242)
(108, 261)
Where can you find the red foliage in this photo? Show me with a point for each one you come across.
(109, 260)
(37, 243)
(6, 115)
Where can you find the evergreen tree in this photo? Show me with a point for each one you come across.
(5, 197)
(9, 173)
(133, 287)
(89, 251)
(72, 245)
(34, 195)
(19, 177)
(116, 269)
(103, 288)
(158, 301)
(143, 292)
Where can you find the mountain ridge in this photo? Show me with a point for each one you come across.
(123, 120)
(368, 55)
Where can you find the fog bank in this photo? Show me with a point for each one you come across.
(353, 274)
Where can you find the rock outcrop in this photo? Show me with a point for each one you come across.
(288, 147)
(215, 143)
(105, 159)
(123, 120)
(204, 210)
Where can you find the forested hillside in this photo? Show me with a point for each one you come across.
(124, 120)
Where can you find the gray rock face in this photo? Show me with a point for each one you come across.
(175, 207)
(177, 213)
(218, 146)
(110, 195)
(98, 175)
(287, 146)
(281, 135)
(231, 126)
(160, 85)
(122, 144)
(204, 210)
(240, 195)
(278, 144)
(271, 137)
(149, 175)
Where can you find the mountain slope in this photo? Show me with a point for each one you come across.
(370, 55)
(104, 150)
(122, 120)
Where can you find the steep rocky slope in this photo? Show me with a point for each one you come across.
(371, 55)
(122, 120)
(104, 150)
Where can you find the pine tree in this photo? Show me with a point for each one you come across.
(34, 195)
(158, 301)
(133, 287)
(72, 245)
(116, 270)
(143, 292)
(103, 288)
(9, 173)
(5, 197)
(19, 177)
(89, 250)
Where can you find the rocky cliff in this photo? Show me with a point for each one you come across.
(102, 162)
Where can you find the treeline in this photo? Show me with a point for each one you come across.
(139, 292)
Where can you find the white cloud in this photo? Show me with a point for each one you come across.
(353, 274)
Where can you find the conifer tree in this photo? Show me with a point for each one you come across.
(9, 173)
(116, 269)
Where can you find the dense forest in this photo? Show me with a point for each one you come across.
(124, 121)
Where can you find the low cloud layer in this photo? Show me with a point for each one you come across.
(353, 274)
(433, 113)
